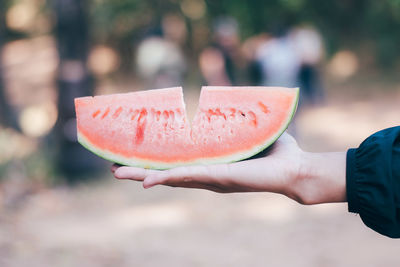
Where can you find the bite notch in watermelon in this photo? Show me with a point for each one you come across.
(150, 128)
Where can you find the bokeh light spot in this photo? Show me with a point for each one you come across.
(343, 65)
(103, 60)
(38, 120)
(21, 16)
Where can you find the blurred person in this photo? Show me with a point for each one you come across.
(160, 59)
(250, 47)
(219, 63)
(160, 62)
(309, 47)
(213, 67)
(278, 59)
(367, 177)
(174, 29)
(291, 57)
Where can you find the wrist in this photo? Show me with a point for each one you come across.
(320, 178)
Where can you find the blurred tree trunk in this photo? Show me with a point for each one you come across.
(7, 114)
(73, 80)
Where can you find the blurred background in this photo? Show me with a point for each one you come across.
(59, 204)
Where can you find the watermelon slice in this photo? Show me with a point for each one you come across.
(150, 128)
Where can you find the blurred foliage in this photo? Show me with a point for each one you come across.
(344, 23)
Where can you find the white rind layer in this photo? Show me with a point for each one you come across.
(151, 164)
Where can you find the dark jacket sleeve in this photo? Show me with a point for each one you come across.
(373, 181)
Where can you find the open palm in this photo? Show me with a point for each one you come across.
(268, 173)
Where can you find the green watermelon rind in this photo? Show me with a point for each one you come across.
(151, 164)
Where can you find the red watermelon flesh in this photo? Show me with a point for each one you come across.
(150, 128)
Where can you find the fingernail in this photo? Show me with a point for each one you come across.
(147, 184)
(117, 174)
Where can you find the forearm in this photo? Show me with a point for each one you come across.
(321, 178)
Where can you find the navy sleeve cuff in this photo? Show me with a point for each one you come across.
(351, 188)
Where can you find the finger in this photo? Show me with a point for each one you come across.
(210, 174)
(133, 173)
(196, 185)
(246, 176)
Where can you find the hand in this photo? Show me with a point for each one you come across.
(308, 178)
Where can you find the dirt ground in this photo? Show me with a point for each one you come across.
(118, 223)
